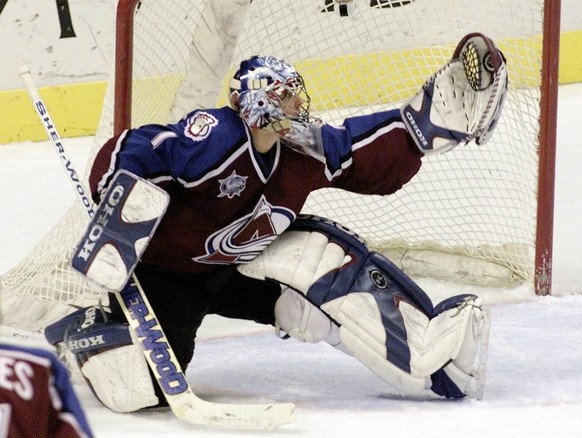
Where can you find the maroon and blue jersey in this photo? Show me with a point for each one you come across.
(36, 396)
(228, 201)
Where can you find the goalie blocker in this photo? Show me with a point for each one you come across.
(119, 232)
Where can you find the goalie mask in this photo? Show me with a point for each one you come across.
(269, 93)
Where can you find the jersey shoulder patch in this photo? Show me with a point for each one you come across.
(199, 125)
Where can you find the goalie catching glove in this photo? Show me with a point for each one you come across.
(462, 101)
(336, 290)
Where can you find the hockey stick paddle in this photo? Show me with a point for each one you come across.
(160, 356)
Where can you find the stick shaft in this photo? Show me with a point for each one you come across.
(54, 137)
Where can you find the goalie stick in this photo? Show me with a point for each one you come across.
(185, 404)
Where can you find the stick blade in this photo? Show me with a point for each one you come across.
(235, 416)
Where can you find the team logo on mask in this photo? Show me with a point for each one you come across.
(232, 185)
(198, 126)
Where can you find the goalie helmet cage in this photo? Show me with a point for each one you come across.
(476, 214)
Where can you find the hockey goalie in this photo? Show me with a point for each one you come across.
(232, 242)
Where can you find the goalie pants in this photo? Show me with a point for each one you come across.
(181, 301)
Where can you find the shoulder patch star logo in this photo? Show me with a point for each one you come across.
(232, 185)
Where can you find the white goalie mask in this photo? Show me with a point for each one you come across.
(260, 92)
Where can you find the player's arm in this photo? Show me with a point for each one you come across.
(136, 151)
(183, 152)
(380, 152)
(460, 103)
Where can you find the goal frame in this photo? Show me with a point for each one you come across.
(546, 137)
(547, 149)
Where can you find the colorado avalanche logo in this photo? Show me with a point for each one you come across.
(198, 126)
(244, 239)
(232, 185)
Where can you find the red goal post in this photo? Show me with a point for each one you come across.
(547, 147)
(481, 215)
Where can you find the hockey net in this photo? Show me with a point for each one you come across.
(471, 215)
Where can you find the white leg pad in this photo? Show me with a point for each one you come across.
(300, 319)
(468, 369)
(363, 335)
(120, 378)
(454, 335)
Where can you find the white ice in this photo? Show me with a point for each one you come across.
(534, 384)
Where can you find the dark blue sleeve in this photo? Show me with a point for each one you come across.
(362, 127)
(337, 148)
(182, 151)
(138, 154)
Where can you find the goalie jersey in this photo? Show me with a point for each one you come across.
(36, 396)
(227, 200)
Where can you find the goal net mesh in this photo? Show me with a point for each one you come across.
(469, 215)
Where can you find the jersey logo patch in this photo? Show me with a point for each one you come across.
(232, 185)
(244, 239)
(198, 126)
